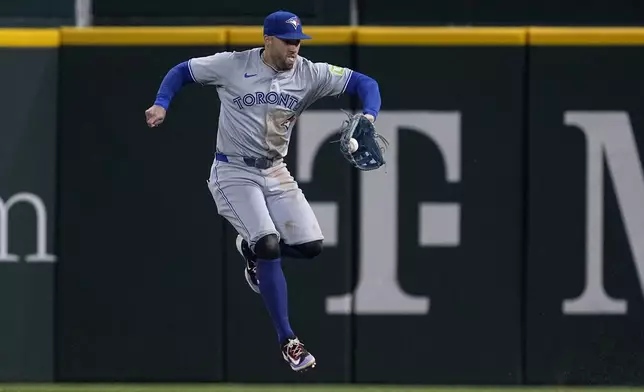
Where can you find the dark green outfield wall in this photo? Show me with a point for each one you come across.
(502, 245)
(28, 218)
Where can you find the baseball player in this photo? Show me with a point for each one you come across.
(262, 92)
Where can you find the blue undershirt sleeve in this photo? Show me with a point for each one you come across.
(174, 80)
(367, 90)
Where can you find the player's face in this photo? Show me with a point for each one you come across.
(284, 52)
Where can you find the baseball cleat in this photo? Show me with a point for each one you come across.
(297, 356)
(250, 272)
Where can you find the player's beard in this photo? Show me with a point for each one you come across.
(289, 61)
(280, 62)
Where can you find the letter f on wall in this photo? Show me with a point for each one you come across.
(378, 290)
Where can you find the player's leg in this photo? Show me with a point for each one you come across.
(250, 270)
(301, 236)
(306, 250)
(273, 288)
(243, 242)
(293, 218)
(240, 200)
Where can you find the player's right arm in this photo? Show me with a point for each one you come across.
(208, 70)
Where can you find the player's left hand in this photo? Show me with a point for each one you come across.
(371, 145)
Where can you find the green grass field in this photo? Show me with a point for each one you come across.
(279, 388)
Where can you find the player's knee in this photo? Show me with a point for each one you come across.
(311, 249)
(267, 247)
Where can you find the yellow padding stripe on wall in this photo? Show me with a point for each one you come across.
(450, 36)
(321, 35)
(132, 36)
(30, 38)
(324, 35)
(583, 36)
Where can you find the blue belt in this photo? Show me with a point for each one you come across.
(260, 163)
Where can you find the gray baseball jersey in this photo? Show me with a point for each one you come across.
(259, 106)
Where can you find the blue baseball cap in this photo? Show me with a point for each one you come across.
(284, 25)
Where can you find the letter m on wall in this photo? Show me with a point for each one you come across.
(610, 140)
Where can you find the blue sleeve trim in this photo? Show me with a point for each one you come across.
(174, 80)
(367, 90)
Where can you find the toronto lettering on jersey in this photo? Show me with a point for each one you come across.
(260, 98)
